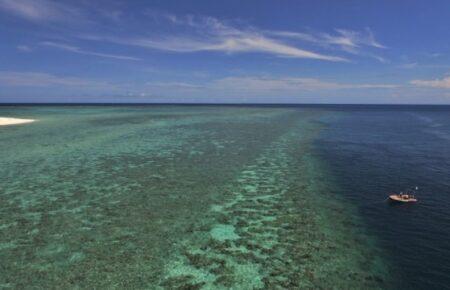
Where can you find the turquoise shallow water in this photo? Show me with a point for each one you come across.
(176, 197)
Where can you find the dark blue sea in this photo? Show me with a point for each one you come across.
(376, 150)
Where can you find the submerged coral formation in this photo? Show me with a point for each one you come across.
(273, 231)
(175, 197)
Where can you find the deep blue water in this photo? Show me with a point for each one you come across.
(372, 152)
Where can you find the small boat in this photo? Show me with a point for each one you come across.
(408, 196)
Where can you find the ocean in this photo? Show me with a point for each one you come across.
(373, 151)
(219, 197)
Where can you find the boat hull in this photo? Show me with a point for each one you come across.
(399, 199)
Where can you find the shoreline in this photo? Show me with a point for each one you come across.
(14, 121)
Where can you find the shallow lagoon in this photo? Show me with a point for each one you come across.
(171, 197)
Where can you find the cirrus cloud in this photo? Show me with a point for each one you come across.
(78, 50)
(282, 84)
(41, 10)
(198, 34)
(443, 83)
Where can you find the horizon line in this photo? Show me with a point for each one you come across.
(214, 104)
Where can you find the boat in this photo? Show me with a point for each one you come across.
(403, 197)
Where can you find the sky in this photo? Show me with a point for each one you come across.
(253, 51)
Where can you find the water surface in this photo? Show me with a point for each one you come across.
(373, 151)
(215, 197)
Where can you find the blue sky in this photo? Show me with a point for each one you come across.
(225, 51)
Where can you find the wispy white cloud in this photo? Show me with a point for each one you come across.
(433, 55)
(350, 41)
(253, 88)
(347, 39)
(39, 79)
(210, 34)
(224, 89)
(194, 34)
(230, 44)
(257, 86)
(78, 50)
(265, 84)
(24, 48)
(40, 10)
(414, 65)
(443, 83)
(69, 14)
(174, 85)
(410, 65)
(350, 38)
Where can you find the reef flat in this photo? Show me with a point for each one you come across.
(175, 197)
(278, 227)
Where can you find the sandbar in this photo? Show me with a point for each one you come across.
(14, 121)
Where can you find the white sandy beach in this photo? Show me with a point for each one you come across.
(14, 121)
